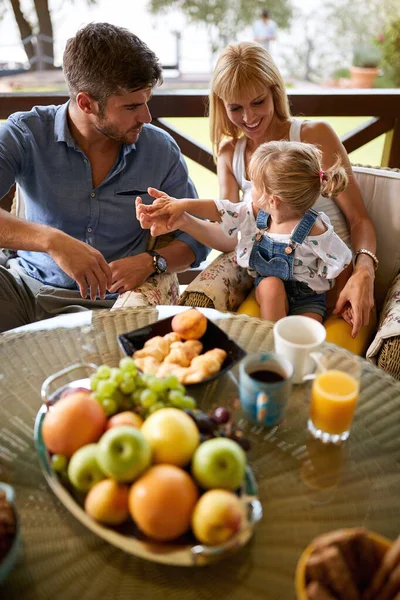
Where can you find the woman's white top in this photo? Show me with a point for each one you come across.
(317, 262)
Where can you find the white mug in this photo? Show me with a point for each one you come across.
(295, 338)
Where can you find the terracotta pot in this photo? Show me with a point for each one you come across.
(362, 77)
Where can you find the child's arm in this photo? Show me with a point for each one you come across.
(205, 232)
(165, 205)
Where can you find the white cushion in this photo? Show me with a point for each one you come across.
(380, 190)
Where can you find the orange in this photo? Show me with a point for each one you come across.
(74, 421)
(162, 501)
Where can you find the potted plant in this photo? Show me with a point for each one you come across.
(364, 69)
(391, 51)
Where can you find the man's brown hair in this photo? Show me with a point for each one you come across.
(103, 59)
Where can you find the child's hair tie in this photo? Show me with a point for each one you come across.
(322, 175)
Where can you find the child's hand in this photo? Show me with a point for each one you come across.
(165, 205)
(157, 226)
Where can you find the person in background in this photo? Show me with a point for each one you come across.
(79, 168)
(264, 30)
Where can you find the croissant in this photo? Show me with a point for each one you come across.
(182, 353)
(205, 365)
(171, 369)
(147, 364)
(157, 347)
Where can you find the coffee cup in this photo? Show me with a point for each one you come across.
(265, 386)
(295, 337)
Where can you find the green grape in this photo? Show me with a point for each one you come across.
(59, 462)
(155, 407)
(125, 404)
(136, 396)
(94, 380)
(127, 387)
(106, 388)
(140, 382)
(116, 375)
(156, 385)
(110, 406)
(103, 372)
(187, 402)
(181, 388)
(97, 397)
(174, 396)
(127, 365)
(171, 382)
(148, 398)
(118, 396)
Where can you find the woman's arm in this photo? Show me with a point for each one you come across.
(359, 289)
(228, 186)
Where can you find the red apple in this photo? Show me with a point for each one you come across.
(128, 417)
(217, 516)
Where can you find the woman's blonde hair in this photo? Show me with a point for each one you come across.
(241, 70)
(292, 171)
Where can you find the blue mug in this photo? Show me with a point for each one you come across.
(265, 385)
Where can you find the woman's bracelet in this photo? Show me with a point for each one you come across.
(369, 253)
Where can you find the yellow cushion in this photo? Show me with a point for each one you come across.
(337, 331)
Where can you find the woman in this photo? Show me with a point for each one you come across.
(249, 106)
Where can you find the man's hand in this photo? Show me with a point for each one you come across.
(84, 264)
(130, 272)
(166, 206)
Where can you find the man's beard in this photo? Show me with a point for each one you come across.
(112, 133)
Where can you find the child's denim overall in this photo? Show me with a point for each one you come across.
(270, 258)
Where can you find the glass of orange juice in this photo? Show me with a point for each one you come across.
(334, 396)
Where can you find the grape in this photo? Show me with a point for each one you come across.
(116, 375)
(94, 380)
(221, 415)
(171, 382)
(155, 407)
(127, 387)
(136, 396)
(103, 372)
(106, 388)
(148, 398)
(243, 442)
(110, 406)
(204, 423)
(156, 385)
(128, 365)
(139, 381)
(59, 462)
(187, 402)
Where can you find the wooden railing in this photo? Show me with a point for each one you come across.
(382, 106)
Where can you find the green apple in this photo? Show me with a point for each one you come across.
(123, 453)
(83, 469)
(219, 463)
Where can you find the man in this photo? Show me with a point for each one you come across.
(79, 168)
(264, 30)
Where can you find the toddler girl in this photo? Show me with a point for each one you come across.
(290, 249)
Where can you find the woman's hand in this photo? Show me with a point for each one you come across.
(356, 299)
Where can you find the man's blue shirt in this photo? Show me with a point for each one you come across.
(38, 152)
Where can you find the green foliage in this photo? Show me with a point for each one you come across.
(341, 73)
(224, 19)
(391, 51)
(366, 55)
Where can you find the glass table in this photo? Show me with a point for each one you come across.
(305, 488)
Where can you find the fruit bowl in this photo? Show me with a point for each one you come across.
(184, 551)
(214, 337)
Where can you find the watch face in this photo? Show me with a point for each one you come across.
(161, 264)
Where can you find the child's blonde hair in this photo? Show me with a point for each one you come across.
(241, 70)
(293, 172)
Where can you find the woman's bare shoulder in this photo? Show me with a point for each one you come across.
(317, 132)
(227, 149)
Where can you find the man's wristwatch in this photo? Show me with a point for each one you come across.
(159, 262)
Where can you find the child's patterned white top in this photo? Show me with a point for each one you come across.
(317, 262)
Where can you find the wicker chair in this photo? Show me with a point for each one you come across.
(225, 286)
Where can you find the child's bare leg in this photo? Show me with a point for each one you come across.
(272, 298)
(313, 316)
